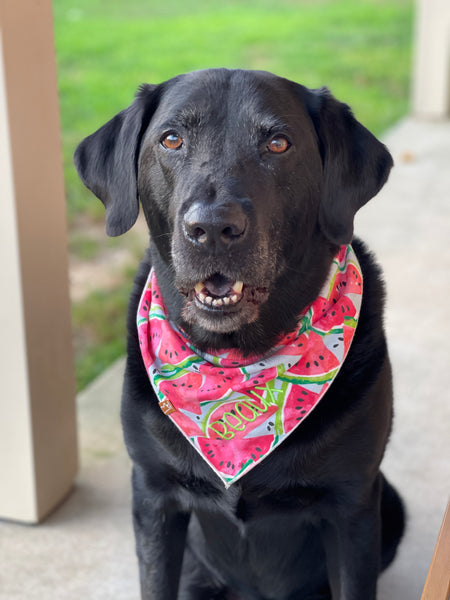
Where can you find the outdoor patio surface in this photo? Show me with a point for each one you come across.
(85, 549)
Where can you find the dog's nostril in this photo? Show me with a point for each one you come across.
(230, 232)
(199, 235)
(227, 233)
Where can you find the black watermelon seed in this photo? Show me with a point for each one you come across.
(321, 357)
(221, 463)
(258, 449)
(316, 363)
(228, 464)
(308, 365)
(253, 456)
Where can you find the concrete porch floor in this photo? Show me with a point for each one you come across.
(85, 549)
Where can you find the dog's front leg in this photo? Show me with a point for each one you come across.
(353, 547)
(160, 530)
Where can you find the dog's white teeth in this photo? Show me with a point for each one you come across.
(233, 296)
(237, 287)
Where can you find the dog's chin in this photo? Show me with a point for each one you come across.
(219, 320)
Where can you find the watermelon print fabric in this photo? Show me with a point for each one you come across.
(236, 410)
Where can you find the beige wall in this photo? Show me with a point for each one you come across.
(38, 449)
(431, 80)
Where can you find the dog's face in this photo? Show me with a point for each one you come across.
(247, 180)
(226, 164)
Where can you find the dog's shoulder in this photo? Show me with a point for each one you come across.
(370, 328)
(367, 360)
(140, 280)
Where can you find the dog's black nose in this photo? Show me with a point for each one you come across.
(215, 227)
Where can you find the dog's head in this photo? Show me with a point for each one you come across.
(248, 183)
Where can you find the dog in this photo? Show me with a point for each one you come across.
(249, 184)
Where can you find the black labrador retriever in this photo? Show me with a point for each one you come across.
(249, 184)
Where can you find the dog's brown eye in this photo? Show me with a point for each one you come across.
(279, 144)
(172, 141)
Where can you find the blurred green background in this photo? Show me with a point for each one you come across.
(105, 48)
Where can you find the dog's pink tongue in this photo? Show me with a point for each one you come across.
(218, 285)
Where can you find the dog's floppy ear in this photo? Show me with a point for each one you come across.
(107, 160)
(355, 164)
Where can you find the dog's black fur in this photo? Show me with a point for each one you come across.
(258, 181)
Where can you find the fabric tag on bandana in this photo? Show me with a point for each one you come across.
(235, 411)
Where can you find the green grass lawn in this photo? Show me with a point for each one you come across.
(360, 49)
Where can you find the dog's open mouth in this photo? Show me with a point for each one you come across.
(218, 292)
(221, 304)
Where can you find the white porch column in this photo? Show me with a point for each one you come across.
(38, 445)
(431, 80)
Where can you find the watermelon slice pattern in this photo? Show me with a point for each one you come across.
(236, 410)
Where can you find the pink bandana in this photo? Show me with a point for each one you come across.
(236, 410)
